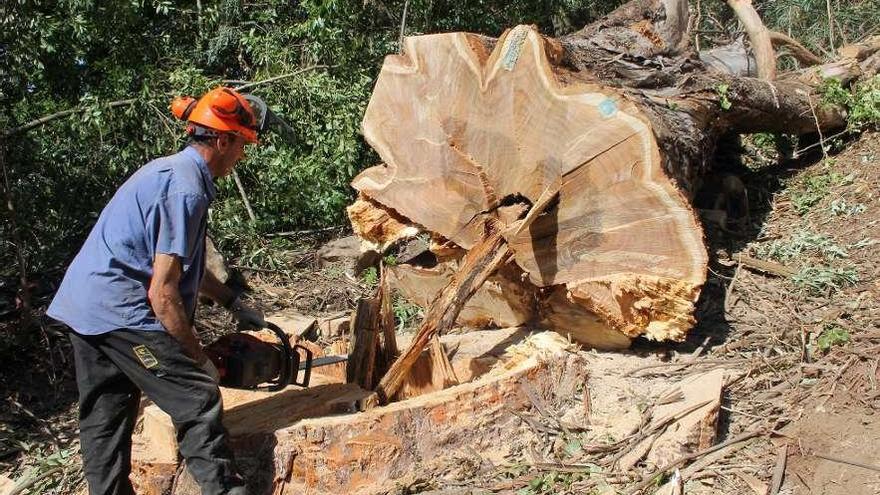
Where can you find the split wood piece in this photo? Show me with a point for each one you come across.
(378, 228)
(294, 324)
(480, 262)
(697, 430)
(690, 423)
(390, 351)
(442, 372)
(334, 327)
(473, 354)
(502, 301)
(431, 372)
(364, 340)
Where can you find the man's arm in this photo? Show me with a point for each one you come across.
(164, 296)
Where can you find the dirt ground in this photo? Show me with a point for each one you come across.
(804, 349)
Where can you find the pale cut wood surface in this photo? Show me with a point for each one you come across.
(460, 127)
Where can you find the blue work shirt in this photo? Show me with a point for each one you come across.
(161, 208)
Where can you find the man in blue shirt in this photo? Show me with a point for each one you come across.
(129, 298)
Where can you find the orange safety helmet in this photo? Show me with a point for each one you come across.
(219, 110)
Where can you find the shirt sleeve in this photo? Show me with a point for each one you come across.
(180, 218)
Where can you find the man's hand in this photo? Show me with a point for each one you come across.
(246, 316)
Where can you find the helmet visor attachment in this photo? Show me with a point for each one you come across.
(226, 105)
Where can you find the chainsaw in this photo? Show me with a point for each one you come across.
(246, 362)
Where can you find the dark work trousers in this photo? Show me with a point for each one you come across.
(111, 371)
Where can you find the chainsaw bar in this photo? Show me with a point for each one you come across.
(324, 361)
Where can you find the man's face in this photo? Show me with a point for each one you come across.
(230, 149)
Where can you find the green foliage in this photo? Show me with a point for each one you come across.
(823, 279)
(839, 207)
(832, 335)
(552, 482)
(406, 314)
(723, 98)
(862, 102)
(56, 472)
(81, 54)
(370, 277)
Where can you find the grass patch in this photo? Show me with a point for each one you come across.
(803, 242)
(808, 192)
(370, 277)
(840, 208)
(552, 482)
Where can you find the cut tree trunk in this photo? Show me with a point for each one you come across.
(314, 441)
(615, 124)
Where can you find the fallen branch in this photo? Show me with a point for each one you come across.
(683, 364)
(770, 267)
(779, 470)
(244, 198)
(290, 233)
(28, 483)
(801, 53)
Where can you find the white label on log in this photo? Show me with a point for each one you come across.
(515, 41)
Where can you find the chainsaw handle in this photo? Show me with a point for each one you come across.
(287, 368)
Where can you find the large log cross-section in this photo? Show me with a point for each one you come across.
(607, 133)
